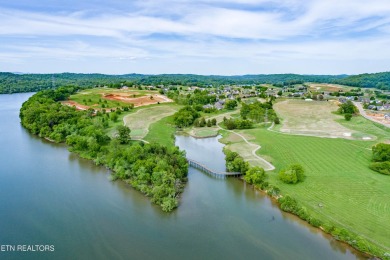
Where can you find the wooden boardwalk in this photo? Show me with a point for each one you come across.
(213, 173)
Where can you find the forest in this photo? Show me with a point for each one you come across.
(157, 171)
(15, 83)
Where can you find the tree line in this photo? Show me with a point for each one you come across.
(15, 83)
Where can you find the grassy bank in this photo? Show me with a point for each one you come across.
(162, 132)
(340, 188)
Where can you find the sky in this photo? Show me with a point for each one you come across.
(214, 37)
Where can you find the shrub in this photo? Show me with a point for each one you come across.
(293, 174)
(381, 152)
(255, 175)
(315, 222)
(348, 116)
(288, 204)
(381, 167)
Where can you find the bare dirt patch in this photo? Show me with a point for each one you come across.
(137, 101)
(327, 87)
(74, 104)
(311, 118)
(379, 117)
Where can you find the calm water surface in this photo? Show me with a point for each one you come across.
(50, 196)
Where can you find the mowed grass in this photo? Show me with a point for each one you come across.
(140, 120)
(338, 177)
(368, 128)
(162, 132)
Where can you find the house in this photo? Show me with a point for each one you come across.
(219, 105)
(342, 100)
(208, 106)
(364, 100)
(297, 94)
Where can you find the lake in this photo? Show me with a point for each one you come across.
(49, 196)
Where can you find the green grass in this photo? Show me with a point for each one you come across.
(338, 177)
(363, 125)
(140, 120)
(135, 114)
(111, 130)
(94, 98)
(206, 132)
(162, 132)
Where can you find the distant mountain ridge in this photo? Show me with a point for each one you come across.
(19, 82)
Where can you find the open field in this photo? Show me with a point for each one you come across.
(162, 132)
(319, 87)
(99, 98)
(140, 120)
(338, 177)
(314, 118)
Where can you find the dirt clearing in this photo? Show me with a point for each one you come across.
(311, 118)
(137, 101)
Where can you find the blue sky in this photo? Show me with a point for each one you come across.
(230, 37)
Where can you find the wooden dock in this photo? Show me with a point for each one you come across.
(211, 172)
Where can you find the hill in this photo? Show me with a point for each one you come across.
(14, 83)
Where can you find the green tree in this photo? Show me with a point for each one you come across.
(381, 152)
(123, 134)
(113, 116)
(230, 104)
(202, 122)
(185, 116)
(293, 174)
(348, 116)
(255, 175)
(348, 108)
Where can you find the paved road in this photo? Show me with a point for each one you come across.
(363, 114)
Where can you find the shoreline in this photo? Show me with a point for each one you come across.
(275, 200)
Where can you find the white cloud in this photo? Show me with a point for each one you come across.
(254, 31)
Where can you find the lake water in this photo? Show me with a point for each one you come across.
(49, 196)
